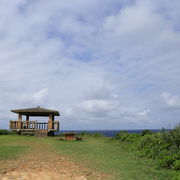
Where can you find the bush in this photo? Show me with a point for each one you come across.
(121, 135)
(176, 164)
(164, 147)
(145, 132)
(124, 136)
(84, 133)
(97, 135)
(5, 132)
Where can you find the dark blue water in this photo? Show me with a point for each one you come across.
(108, 133)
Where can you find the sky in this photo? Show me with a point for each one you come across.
(104, 64)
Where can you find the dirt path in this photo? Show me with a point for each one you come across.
(43, 163)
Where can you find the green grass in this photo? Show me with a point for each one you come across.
(96, 153)
(12, 146)
(110, 157)
(7, 152)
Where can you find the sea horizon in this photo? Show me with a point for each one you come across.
(110, 133)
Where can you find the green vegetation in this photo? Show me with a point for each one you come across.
(7, 152)
(12, 146)
(109, 156)
(6, 132)
(115, 158)
(164, 147)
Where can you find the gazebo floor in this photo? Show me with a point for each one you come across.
(34, 132)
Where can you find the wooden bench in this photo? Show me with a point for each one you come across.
(79, 138)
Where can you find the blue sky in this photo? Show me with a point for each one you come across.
(104, 64)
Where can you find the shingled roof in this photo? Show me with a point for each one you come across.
(37, 111)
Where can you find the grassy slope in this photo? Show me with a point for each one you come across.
(109, 157)
(97, 153)
(12, 146)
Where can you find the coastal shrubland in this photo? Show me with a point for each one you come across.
(163, 147)
(114, 158)
(100, 155)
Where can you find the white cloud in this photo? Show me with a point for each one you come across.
(92, 106)
(143, 113)
(35, 98)
(171, 100)
(95, 61)
(40, 95)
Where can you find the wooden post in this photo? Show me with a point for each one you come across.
(50, 117)
(27, 122)
(19, 117)
(50, 122)
(19, 120)
(27, 118)
(10, 122)
(36, 125)
(49, 125)
(57, 125)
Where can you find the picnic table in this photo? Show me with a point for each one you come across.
(69, 136)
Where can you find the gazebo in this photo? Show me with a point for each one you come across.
(34, 127)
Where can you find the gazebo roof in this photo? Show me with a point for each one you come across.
(38, 111)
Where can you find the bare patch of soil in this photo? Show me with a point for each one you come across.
(43, 163)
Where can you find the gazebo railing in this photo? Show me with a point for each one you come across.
(34, 125)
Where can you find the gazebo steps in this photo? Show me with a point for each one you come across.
(41, 133)
(38, 133)
(27, 132)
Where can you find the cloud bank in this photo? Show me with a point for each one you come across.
(103, 64)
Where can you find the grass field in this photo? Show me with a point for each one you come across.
(99, 154)
(13, 146)
(109, 157)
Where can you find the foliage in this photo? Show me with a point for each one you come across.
(107, 157)
(124, 136)
(164, 147)
(6, 132)
(96, 135)
(84, 133)
(99, 155)
(146, 131)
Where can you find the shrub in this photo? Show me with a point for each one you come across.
(164, 147)
(145, 132)
(97, 135)
(5, 132)
(176, 164)
(124, 136)
(83, 133)
(166, 161)
(121, 135)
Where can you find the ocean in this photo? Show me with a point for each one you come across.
(108, 133)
